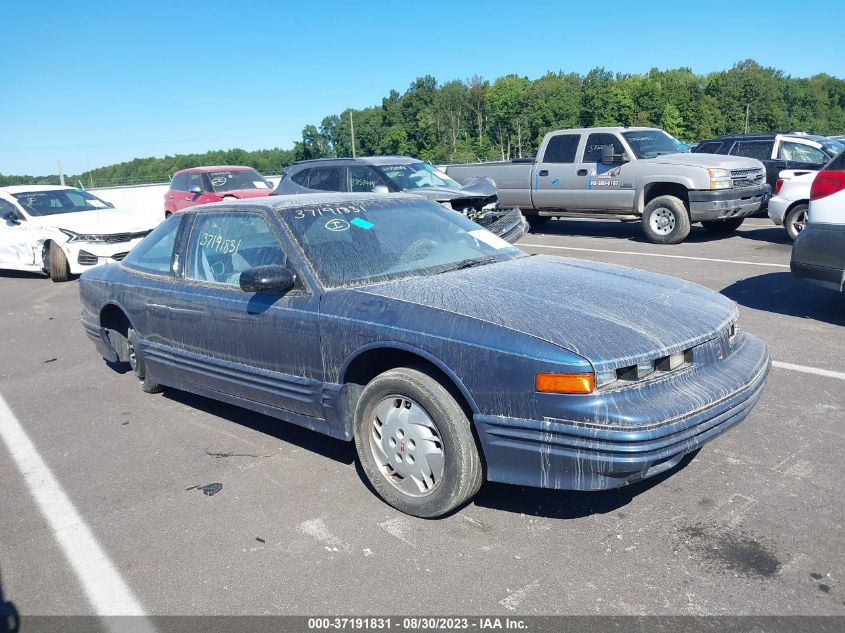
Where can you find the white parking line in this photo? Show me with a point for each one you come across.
(103, 585)
(827, 373)
(702, 259)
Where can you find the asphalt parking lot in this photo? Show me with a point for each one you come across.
(753, 524)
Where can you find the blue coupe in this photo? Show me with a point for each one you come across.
(447, 354)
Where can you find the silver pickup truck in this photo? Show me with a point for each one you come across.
(627, 173)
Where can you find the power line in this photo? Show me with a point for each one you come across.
(135, 144)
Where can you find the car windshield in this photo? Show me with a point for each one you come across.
(833, 147)
(369, 241)
(54, 201)
(237, 180)
(651, 143)
(416, 175)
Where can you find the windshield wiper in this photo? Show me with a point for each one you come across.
(469, 263)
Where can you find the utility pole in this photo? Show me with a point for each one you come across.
(61, 175)
(747, 108)
(352, 127)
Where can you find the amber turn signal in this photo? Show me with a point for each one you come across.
(565, 383)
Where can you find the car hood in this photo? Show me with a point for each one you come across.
(480, 189)
(99, 222)
(708, 160)
(611, 315)
(246, 193)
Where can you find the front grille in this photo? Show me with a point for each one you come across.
(118, 257)
(84, 258)
(745, 178)
(118, 238)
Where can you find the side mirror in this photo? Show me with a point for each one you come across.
(11, 216)
(381, 189)
(196, 190)
(609, 158)
(266, 278)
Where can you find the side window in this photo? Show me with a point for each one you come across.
(596, 144)
(761, 150)
(707, 148)
(325, 179)
(301, 177)
(179, 182)
(561, 148)
(223, 245)
(8, 207)
(195, 180)
(155, 252)
(801, 153)
(362, 178)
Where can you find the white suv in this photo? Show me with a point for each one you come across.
(818, 254)
(63, 231)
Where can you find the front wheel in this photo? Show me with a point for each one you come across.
(57, 263)
(795, 220)
(415, 443)
(722, 226)
(666, 220)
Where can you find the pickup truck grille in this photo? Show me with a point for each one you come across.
(745, 178)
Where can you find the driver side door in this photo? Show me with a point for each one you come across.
(604, 188)
(16, 239)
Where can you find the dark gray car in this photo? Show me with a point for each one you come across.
(475, 199)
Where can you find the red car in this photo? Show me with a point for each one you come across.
(199, 185)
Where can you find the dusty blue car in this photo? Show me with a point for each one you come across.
(447, 354)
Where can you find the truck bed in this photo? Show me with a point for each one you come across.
(512, 178)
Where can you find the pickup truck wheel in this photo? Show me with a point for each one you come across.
(415, 443)
(795, 220)
(722, 226)
(536, 222)
(57, 263)
(666, 220)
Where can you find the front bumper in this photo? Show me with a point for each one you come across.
(84, 255)
(818, 255)
(638, 432)
(724, 204)
(777, 209)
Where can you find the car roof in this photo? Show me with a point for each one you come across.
(763, 136)
(29, 188)
(361, 160)
(214, 168)
(295, 201)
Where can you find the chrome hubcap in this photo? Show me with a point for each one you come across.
(800, 222)
(406, 445)
(662, 221)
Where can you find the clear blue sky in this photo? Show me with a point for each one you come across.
(98, 83)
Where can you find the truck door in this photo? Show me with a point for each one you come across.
(605, 188)
(553, 179)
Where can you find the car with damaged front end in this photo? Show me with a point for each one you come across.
(448, 355)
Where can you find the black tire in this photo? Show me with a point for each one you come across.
(462, 473)
(57, 264)
(722, 226)
(136, 362)
(536, 222)
(666, 220)
(796, 220)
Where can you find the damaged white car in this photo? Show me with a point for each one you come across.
(62, 231)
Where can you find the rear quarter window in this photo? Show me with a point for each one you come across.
(154, 254)
(761, 150)
(711, 147)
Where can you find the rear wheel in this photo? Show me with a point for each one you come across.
(57, 263)
(136, 362)
(722, 226)
(795, 220)
(666, 220)
(415, 443)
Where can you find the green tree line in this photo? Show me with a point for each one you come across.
(476, 119)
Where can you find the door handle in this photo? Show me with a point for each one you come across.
(582, 172)
(544, 172)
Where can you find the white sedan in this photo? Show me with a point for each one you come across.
(63, 231)
(788, 206)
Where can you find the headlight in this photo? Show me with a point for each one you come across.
(720, 179)
(81, 237)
